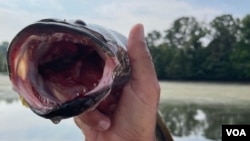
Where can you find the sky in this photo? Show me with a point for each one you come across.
(117, 15)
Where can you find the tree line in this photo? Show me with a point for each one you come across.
(3, 55)
(194, 50)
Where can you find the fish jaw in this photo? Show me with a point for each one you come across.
(58, 81)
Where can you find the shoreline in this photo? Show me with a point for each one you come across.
(205, 93)
(178, 92)
(240, 82)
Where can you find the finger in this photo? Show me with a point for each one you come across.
(139, 101)
(93, 119)
(140, 58)
(143, 71)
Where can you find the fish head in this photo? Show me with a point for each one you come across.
(64, 68)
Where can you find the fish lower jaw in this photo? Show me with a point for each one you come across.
(68, 93)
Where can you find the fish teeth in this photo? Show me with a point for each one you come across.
(44, 100)
(84, 90)
(77, 94)
(68, 94)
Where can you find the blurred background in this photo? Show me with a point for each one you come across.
(201, 52)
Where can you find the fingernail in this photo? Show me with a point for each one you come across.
(142, 37)
(104, 125)
(141, 32)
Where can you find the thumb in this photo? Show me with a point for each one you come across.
(144, 79)
(138, 105)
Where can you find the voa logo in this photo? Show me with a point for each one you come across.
(236, 132)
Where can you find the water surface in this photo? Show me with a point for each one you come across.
(192, 111)
(202, 122)
(20, 124)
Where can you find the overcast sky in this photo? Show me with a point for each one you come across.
(118, 15)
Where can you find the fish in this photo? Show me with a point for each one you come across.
(61, 68)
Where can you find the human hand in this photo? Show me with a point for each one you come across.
(134, 116)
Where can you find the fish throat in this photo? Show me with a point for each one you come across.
(70, 69)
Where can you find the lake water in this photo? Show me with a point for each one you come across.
(192, 111)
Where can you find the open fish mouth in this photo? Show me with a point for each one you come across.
(61, 69)
(64, 68)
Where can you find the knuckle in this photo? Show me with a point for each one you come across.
(157, 88)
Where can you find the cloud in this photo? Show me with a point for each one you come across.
(121, 15)
(12, 22)
(118, 15)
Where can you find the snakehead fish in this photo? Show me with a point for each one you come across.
(63, 68)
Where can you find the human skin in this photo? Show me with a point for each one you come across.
(133, 116)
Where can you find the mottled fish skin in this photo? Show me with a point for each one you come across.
(108, 42)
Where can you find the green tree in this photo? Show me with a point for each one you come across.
(3, 56)
(152, 39)
(240, 57)
(186, 32)
(186, 35)
(225, 33)
(162, 60)
(195, 51)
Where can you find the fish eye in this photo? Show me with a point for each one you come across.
(80, 22)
